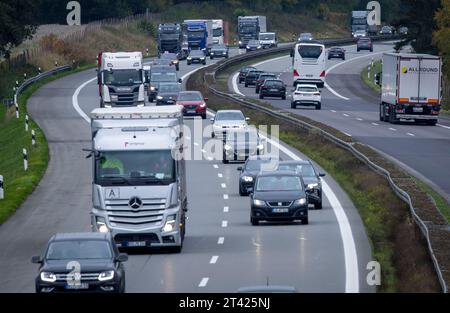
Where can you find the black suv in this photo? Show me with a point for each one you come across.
(364, 44)
(218, 51)
(243, 72)
(88, 262)
(251, 77)
(261, 78)
(251, 168)
(168, 93)
(336, 52)
(196, 56)
(279, 196)
(273, 88)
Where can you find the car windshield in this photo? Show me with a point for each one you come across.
(266, 76)
(253, 43)
(218, 47)
(79, 250)
(266, 37)
(310, 51)
(258, 165)
(273, 83)
(164, 77)
(123, 77)
(230, 116)
(169, 88)
(246, 69)
(153, 167)
(307, 89)
(254, 73)
(278, 183)
(306, 170)
(191, 96)
(196, 53)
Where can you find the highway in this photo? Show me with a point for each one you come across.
(222, 251)
(353, 108)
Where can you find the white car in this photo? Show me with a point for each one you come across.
(226, 120)
(308, 95)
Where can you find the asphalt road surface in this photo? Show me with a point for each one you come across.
(222, 251)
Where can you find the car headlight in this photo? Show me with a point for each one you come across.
(107, 275)
(175, 62)
(247, 179)
(259, 202)
(248, 47)
(101, 224)
(48, 277)
(170, 224)
(227, 147)
(312, 186)
(301, 201)
(203, 105)
(159, 97)
(189, 58)
(259, 47)
(152, 88)
(202, 58)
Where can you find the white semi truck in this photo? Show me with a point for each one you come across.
(121, 79)
(218, 32)
(249, 28)
(139, 176)
(411, 88)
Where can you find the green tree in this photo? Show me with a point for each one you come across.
(17, 23)
(441, 37)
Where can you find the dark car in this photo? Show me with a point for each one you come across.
(172, 58)
(218, 51)
(160, 74)
(305, 37)
(364, 44)
(279, 196)
(168, 93)
(196, 56)
(311, 179)
(239, 144)
(243, 72)
(253, 45)
(251, 168)
(251, 77)
(261, 78)
(336, 52)
(88, 262)
(193, 103)
(273, 88)
(386, 30)
(403, 31)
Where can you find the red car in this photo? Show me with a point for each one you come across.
(193, 102)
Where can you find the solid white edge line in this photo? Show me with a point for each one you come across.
(203, 282)
(443, 126)
(348, 241)
(234, 82)
(334, 92)
(75, 104)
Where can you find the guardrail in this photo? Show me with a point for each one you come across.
(425, 227)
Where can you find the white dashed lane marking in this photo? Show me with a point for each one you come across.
(221, 240)
(226, 209)
(203, 282)
(224, 224)
(214, 259)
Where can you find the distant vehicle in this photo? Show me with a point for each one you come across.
(261, 78)
(253, 45)
(218, 32)
(170, 38)
(364, 44)
(386, 30)
(243, 72)
(100, 264)
(273, 88)
(279, 196)
(161, 74)
(309, 63)
(268, 40)
(193, 103)
(172, 57)
(336, 52)
(200, 34)
(219, 51)
(311, 179)
(251, 77)
(360, 34)
(359, 22)
(196, 56)
(241, 143)
(168, 93)
(251, 168)
(249, 28)
(305, 37)
(403, 31)
(308, 95)
(411, 88)
(225, 120)
(147, 73)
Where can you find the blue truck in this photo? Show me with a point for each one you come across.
(199, 34)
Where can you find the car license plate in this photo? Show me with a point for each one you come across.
(191, 111)
(417, 109)
(134, 244)
(77, 286)
(286, 210)
(273, 90)
(309, 75)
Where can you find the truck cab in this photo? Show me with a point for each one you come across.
(139, 187)
(170, 38)
(121, 79)
(249, 28)
(200, 34)
(218, 32)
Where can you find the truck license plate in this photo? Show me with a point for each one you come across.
(417, 109)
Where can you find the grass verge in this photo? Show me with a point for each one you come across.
(18, 184)
(369, 80)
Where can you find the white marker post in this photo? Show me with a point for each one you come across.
(368, 72)
(2, 193)
(33, 137)
(26, 122)
(17, 106)
(25, 159)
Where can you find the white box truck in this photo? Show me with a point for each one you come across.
(218, 35)
(121, 79)
(139, 176)
(411, 88)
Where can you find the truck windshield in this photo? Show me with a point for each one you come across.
(217, 32)
(359, 21)
(169, 36)
(197, 34)
(123, 77)
(135, 168)
(246, 29)
(309, 51)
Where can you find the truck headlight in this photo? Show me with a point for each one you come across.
(260, 146)
(114, 97)
(107, 275)
(240, 42)
(312, 186)
(258, 202)
(248, 47)
(189, 58)
(301, 201)
(170, 224)
(175, 62)
(101, 224)
(202, 58)
(48, 277)
(159, 97)
(247, 179)
(227, 147)
(152, 88)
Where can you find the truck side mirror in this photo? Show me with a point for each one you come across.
(180, 80)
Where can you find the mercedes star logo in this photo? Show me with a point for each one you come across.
(135, 203)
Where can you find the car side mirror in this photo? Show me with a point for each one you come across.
(122, 257)
(180, 80)
(36, 259)
(239, 169)
(322, 175)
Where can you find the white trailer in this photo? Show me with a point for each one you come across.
(411, 88)
(218, 35)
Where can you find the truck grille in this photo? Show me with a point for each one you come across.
(149, 238)
(126, 99)
(150, 214)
